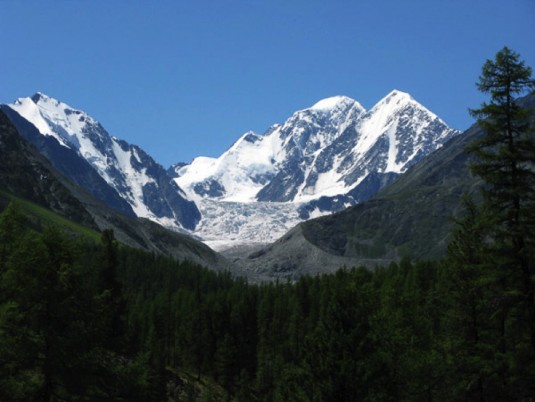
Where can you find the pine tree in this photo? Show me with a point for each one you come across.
(507, 150)
(506, 156)
(505, 160)
(47, 340)
(470, 285)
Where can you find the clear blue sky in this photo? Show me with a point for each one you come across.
(187, 78)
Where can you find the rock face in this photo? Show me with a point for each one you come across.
(120, 174)
(321, 160)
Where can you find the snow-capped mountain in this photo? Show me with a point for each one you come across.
(323, 151)
(256, 162)
(382, 143)
(322, 159)
(134, 178)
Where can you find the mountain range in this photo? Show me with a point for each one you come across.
(321, 160)
(395, 173)
(411, 217)
(326, 150)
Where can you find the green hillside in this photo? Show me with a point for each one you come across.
(40, 217)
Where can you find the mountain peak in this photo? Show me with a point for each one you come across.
(397, 96)
(396, 101)
(36, 97)
(39, 96)
(331, 103)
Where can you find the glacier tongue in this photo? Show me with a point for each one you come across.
(226, 223)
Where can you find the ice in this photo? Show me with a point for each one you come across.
(227, 223)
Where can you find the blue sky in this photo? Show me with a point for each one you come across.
(183, 79)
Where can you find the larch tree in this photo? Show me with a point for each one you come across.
(505, 161)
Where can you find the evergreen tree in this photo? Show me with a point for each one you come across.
(111, 296)
(505, 160)
(505, 156)
(47, 340)
(470, 287)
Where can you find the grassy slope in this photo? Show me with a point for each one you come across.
(39, 216)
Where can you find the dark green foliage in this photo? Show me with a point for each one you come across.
(506, 154)
(97, 322)
(54, 325)
(356, 335)
(490, 260)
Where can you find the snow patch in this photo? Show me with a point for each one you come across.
(135, 179)
(316, 213)
(392, 165)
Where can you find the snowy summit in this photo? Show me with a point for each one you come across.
(330, 103)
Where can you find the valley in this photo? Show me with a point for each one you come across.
(267, 201)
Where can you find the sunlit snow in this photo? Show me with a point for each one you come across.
(329, 103)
